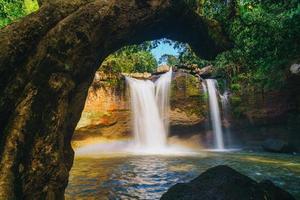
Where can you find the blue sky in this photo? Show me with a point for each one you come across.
(162, 49)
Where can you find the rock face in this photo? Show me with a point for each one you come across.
(260, 115)
(224, 183)
(188, 107)
(107, 110)
(47, 63)
(252, 118)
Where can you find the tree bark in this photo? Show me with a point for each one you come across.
(47, 63)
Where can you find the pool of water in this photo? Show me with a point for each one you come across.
(125, 176)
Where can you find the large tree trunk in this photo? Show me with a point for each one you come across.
(47, 63)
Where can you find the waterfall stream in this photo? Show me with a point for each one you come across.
(214, 112)
(150, 107)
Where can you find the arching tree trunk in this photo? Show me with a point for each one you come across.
(48, 61)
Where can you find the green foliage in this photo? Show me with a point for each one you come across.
(186, 54)
(171, 60)
(11, 10)
(266, 39)
(265, 36)
(135, 58)
(235, 87)
(31, 6)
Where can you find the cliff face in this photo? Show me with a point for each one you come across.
(106, 112)
(251, 118)
(107, 108)
(188, 106)
(256, 115)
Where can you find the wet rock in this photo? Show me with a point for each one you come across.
(224, 183)
(277, 146)
(188, 108)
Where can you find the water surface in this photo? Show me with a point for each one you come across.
(148, 177)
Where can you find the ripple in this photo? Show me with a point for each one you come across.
(129, 176)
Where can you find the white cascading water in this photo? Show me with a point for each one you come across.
(226, 109)
(162, 96)
(215, 113)
(225, 103)
(204, 87)
(150, 107)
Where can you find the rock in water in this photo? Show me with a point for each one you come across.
(277, 146)
(224, 183)
(295, 69)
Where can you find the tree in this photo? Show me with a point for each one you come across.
(265, 36)
(171, 60)
(134, 58)
(13, 10)
(47, 63)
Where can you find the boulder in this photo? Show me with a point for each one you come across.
(295, 69)
(277, 146)
(224, 183)
(205, 72)
(162, 68)
(194, 69)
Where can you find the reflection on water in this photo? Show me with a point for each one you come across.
(148, 177)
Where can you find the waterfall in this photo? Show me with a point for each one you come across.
(225, 103)
(150, 107)
(162, 97)
(226, 109)
(205, 98)
(204, 87)
(215, 113)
